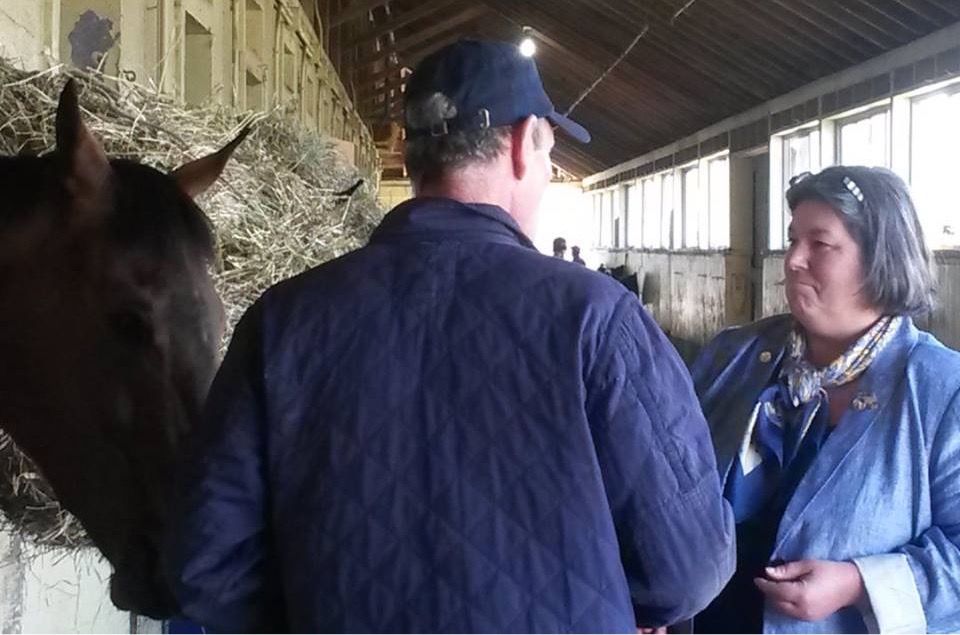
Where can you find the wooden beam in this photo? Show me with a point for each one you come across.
(590, 57)
(859, 23)
(412, 58)
(460, 18)
(689, 47)
(829, 35)
(773, 24)
(373, 104)
(389, 72)
(809, 62)
(371, 89)
(355, 11)
(400, 20)
(898, 15)
(949, 8)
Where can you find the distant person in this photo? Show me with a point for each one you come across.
(559, 248)
(445, 430)
(575, 251)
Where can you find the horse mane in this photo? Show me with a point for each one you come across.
(148, 209)
(151, 209)
(26, 183)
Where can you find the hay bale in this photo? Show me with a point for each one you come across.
(276, 211)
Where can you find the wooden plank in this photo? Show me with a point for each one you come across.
(576, 48)
(806, 38)
(838, 35)
(687, 51)
(400, 20)
(859, 23)
(948, 7)
(354, 11)
(439, 28)
(390, 71)
(904, 18)
(723, 42)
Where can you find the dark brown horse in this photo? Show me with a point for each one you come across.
(109, 328)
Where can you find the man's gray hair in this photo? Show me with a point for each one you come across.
(428, 156)
(876, 208)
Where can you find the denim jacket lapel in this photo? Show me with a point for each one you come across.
(877, 387)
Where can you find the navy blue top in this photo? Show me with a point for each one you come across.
(448, 431)
(739, 607)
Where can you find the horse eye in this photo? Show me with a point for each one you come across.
(133, 327)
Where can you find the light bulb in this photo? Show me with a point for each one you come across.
(528, 48)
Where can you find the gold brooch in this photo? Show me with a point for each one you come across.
(865, 401)
(765, 357)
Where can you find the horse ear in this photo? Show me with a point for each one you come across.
(85, 164)
(196, 177)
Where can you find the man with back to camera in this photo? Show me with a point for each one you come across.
(446, 430)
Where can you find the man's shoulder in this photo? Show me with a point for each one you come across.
(568, 276)
(496, 271)
(326, 279)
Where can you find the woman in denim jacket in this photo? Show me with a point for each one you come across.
(836, 428)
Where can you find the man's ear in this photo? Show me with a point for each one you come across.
(522, 147)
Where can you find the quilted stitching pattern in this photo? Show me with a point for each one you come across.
(429, 455)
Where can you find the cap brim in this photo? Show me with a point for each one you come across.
(570, 126)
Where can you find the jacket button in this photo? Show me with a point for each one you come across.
(765, 357)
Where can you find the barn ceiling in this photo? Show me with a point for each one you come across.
(698, 62)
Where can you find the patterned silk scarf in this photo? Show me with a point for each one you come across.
(792, 415)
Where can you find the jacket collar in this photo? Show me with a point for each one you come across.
(425, 219)
(756, 365)
(877, 387)
(747, 373)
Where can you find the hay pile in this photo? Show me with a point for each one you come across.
(276, 212)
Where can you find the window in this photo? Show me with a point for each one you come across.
(634, 215)
(799, 153)
(597, 206)
(618, 213)
(864, 140)
(691, 206)
(718, 203)
(606, 219)
(935, 137)
(651, 213)
(669, 224)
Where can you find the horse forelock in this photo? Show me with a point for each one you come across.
(150, 210)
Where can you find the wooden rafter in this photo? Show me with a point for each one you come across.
(439, 28)
(399, 20)
(355, 11)
(717, 59)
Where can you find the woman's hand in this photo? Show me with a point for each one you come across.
(643, 630)
(812, 590)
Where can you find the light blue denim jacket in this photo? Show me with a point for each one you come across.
(884, 490)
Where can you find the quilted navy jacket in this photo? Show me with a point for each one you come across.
(447, 431)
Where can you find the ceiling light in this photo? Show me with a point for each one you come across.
(528, 48)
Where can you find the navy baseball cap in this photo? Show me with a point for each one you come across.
(490, 83)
